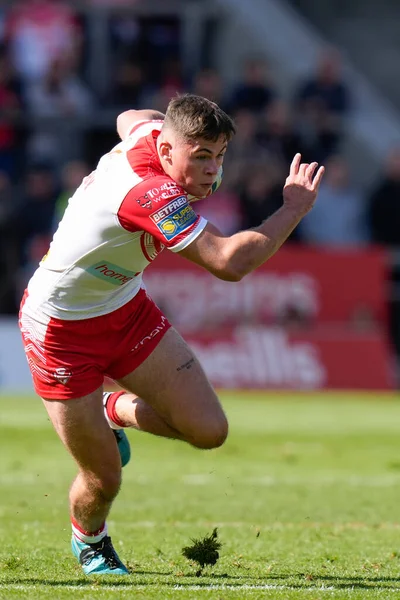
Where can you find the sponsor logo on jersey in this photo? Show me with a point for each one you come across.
(111, 273)
(159, 329)
(169, 189)
(173, 218)
(168, 185)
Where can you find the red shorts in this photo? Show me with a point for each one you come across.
(69, 359)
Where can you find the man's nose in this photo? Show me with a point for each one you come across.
(212, 167)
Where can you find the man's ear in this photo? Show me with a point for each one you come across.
(165, 151)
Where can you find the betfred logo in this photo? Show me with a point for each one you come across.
(174, 217)
(110, 273)
(168, 209)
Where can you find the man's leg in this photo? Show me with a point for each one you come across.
(172, 397)
(124, 409)
(84, 431)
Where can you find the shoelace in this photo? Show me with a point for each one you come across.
(105, 550)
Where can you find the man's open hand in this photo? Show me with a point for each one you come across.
(302, 183)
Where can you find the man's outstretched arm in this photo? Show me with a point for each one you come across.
(127, 119)
(231, 258)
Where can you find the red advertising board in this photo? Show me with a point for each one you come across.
(232, 326)
(329, 286)
(273, 358)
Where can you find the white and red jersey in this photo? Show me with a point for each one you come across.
(115, 225)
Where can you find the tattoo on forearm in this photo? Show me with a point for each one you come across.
(187, 365)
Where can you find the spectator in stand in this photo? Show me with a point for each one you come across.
(170, 84)
(39, 32)
(9, 249)
(7, 208)
(277, 134)
(128, 85)
(10, 113)
(327, 89)
(255, 91)
(124, 37)
(224, 208)
(383, 219)
(172, 81)
(34, 250)
(383, 204)
(208, 83)
(160, 47)
(36, 214)
(245, 150)
(340, 217)
(323, 102)
(72, 176)
(60, 94)
(261, 193)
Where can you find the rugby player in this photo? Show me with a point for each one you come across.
(85, 314)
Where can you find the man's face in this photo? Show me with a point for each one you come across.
(194, 165)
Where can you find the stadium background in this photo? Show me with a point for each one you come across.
(297, 76)
(305, 492)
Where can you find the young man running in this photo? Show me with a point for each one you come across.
(86, 315)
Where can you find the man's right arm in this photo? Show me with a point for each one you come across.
(231, 258)
(127, 120)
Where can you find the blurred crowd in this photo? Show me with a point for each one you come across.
(50, 136)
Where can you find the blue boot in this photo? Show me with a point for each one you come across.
(124, 446)
(98, 559)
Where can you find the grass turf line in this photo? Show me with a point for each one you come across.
(305, 495)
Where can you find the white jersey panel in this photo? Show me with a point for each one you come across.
(94, 266)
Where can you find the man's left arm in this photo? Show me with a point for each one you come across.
(127, 120)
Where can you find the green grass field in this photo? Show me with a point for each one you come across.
(305, 495)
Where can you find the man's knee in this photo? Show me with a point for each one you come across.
(211, 434)
(104, 486)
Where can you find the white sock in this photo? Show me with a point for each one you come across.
(111, 423)
(88, 538)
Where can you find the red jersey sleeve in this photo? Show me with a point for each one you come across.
(161, 208)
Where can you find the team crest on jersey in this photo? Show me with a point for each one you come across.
(151, 247)
(144, 201)
(62, 375)
(173, 218)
